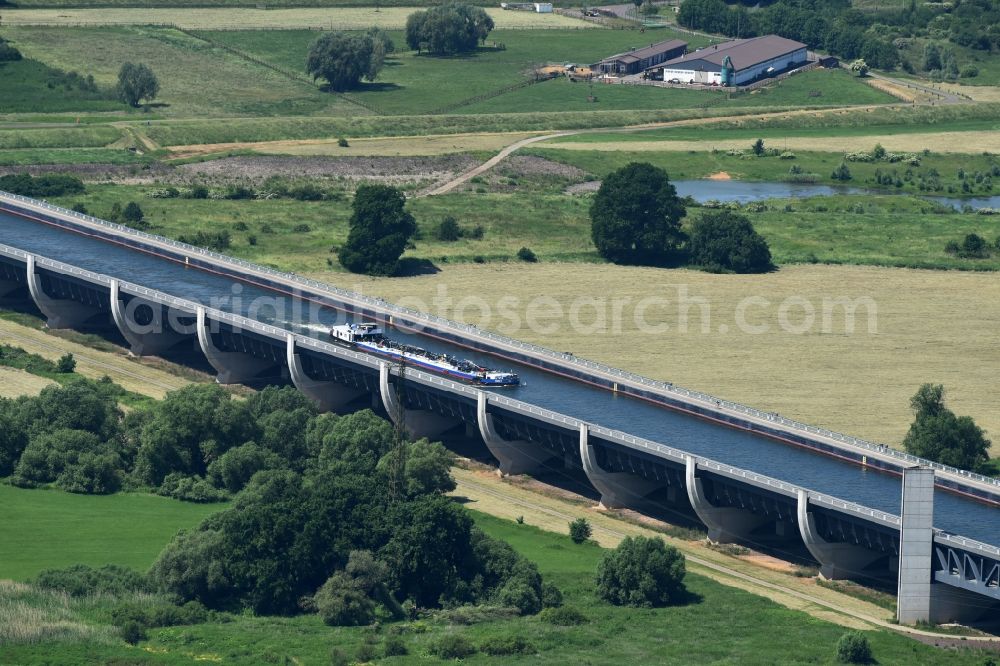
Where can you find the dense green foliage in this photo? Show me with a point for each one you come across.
(343, 59)
(642, 571)
(80, 580)
(854, 648)
(837, 27)
(47, 185)
(8, 53)
(448, 29)
(580, 530)
(726, 241)
(635, 216)
(136, 82)
(938, 434)
(380, 228)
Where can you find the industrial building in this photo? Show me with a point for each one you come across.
(637, 60)
(734, 63)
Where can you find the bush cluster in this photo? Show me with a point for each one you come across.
(47, 185)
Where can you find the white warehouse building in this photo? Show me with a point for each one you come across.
(734, 63)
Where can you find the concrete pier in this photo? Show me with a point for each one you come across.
(837, 560)
(417, 422)
(232, 367)
(514, 456)
(328, 396)
(59, 313)
(916, 541)
(152, 338)
(618, 489)
(725, 524)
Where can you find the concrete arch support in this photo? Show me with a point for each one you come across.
(59, 313)
(725, 524)
(144, 339)
(618, 489)
(232, 367)
(515, 456)
(417, 422)
(328, 396)
(837, 560)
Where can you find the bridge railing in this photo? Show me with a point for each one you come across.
(852, 507)
(427, 319)
(967, 544)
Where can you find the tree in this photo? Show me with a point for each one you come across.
(448, 29)
(932, 57)
(133, 213)
(938, 434)
(860, 67)
(448, 230)
(726, 241)
(853, 648)
(842, 172)
(427, 468)
(136, 82)
(66, 364)
(758, 147)
(642, 572)
(343, 59)
(635, 216)
(579, 530)
(380, 228)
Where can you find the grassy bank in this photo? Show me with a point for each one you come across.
(721, 624)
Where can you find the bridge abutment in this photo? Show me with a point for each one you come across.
(152, 338)
(417, 422)
(328, 396)
(232, 367)
(515, 456)
(618, 489)
(725, 524)
(837, 560)
(59, 313)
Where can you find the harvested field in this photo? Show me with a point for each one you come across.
(939, 142)
(14, 383)
(442, 144)
(137, 376)
(349, 18)
(931, 327)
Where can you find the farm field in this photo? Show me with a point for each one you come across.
(736, 625)
(50, 528)
(837, 88)
(14, 383)
(861, 229)
(243, 18)
(931, 327)
(195, 78)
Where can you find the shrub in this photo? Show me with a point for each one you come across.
(394, 647)
(190, 489)
(301, 229)
(969, 72)
(212, 240)
(841, 173)
(452, 646)
(448, 230)
(479, 259)
(234, 468)
(80, 580)
(251, 240)
(92, 474)
(79, 208)
(341, 604)
(499, 646)
(853, 648)
(241, 226)
(199, 192)
(239, 192)
(551, 595)
(66, 364)
(476, 233)
(725, 241)
(133, 632)
(132, 213)
(580, 530)
(307, 192)
(563, 616)
(342, 142)
(974, 246)
(525, 254)
(642, 572)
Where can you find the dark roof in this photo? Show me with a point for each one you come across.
(743, 52)
(648, 51)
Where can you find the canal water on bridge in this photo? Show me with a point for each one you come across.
(740, 449)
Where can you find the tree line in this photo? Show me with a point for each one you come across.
(835, 26)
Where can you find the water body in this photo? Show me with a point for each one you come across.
(741, 449)
(748, 191)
